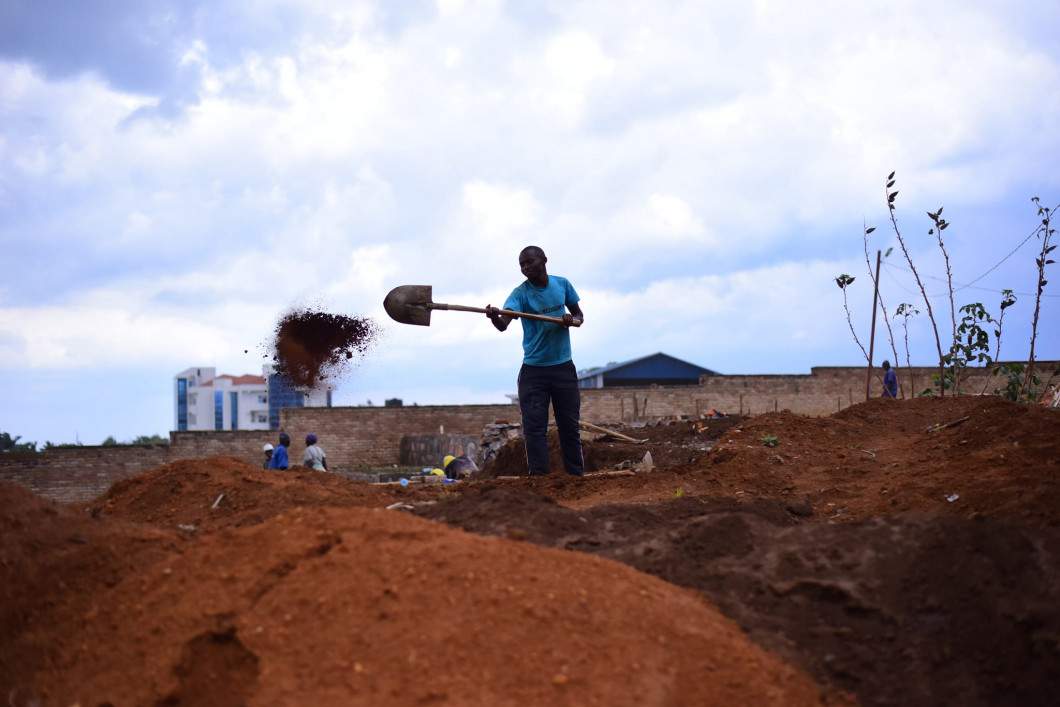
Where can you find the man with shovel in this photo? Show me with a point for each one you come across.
(548, 373)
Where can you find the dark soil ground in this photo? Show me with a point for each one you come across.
(865, 558)
(673, 443)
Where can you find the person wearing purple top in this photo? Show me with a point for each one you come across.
(890, 381)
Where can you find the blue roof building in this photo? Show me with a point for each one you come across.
(654, 369)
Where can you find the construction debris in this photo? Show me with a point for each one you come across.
(494, 437)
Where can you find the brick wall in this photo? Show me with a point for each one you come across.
(78, 473)
(825, 390)
(371, 436)
(245, 444)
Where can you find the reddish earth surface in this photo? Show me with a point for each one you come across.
(341, 606)
(862, 559)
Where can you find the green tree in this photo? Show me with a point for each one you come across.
(151, 439)
(12, 444)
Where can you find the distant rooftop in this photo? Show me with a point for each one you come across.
(245, 379)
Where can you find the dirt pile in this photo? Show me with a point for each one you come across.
(353, 606)
(54, 562)
(183, 493)
(671, 444)
(311, 345)
(872, 459)
(906, 610)
(878, 458)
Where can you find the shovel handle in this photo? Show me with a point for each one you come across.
(505, 312)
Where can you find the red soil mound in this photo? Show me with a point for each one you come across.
(183, 493)
(872, 459)
(54, 561)
(369, 607)
(878, 458)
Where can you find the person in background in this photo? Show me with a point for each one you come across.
(890, 381)
(268, 455)
(279, 455)
(458, 467)
(314, 457)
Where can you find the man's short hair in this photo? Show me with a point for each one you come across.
(533, 249)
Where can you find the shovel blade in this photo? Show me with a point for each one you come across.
(409, 304)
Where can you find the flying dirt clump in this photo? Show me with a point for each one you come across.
(311, 345)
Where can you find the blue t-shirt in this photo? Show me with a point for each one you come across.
(544, 343)
(279, 458)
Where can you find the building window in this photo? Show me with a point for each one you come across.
(218, 410)
(282, 395)
(263, 399)
(182, 403)
(234, 397)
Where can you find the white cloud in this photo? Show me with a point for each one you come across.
(708, 154)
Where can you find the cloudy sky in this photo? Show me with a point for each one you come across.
(174, 175)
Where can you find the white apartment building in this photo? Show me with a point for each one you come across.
(203, 400)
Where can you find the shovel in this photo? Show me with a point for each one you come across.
(412, 304)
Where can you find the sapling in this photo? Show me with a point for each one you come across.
(879, 293)
(1045, 232)
(972, 342)
(843, 281)
(1007, 300)
(891, 196)
(940, 225)
(906, 310)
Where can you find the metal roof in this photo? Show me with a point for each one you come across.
(590, 372)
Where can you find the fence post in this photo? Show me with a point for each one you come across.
(872, 331)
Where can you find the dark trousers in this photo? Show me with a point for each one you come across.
(538, 386)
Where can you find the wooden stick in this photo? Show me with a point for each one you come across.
(603, 430)
(217, 502)
(872, 331)
(941, 426)
(612, 472)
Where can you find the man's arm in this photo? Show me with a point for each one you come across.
(501, 321)
(576, 314)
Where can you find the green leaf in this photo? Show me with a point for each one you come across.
(891, 176)
(869, 230)
(888, 252)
